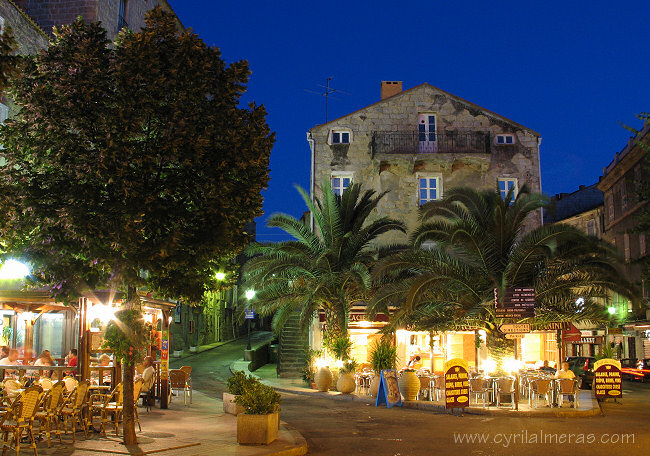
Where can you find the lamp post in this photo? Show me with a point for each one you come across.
(250, 294)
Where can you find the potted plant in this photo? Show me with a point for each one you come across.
(260, 421)
(409, 384)
(309, 371)
(236, 385)
(383, 355)
(323, 378)
(340, 349)
(346, 384)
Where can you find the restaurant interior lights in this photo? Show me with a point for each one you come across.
(489, 365)
(322, 362)
(13, 269)
(512, 365)
(101, 312)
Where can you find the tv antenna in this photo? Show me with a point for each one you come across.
(328, 91)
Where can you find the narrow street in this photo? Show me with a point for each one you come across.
(337, 427)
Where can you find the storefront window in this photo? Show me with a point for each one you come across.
(48, 332)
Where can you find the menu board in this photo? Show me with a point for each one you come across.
(515, 303)
(456, 383)
(388, 392)
(607, 378)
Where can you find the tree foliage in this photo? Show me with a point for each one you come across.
(327, 269)
(131, 164)
(479, 246)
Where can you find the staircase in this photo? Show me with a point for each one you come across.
(291, 350)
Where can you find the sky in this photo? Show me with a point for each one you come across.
(575, 71)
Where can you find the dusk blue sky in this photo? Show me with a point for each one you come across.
(572, 70)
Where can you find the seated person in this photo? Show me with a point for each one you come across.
(148, 374)
(547, 368)
(71, 360)
(10, 360)
(565, 372)
(4, 352)
(44, 359)
(104, 374)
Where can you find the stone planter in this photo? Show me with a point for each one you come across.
(194, 349)
(409, 385)
(346, 383)
(323, 379)
(257, 429)
(374, 386)
(177, 353)
(229, 405)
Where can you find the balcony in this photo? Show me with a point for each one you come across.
(415, 142)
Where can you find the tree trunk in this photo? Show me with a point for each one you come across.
(128, 371)
(499, 349)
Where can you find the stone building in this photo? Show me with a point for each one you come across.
(582, 209)
(417, 143)
(620, 183)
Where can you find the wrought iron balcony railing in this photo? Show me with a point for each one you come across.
(415, 142)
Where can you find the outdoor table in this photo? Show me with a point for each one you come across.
(101, 370)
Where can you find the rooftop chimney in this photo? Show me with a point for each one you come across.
(390, 88)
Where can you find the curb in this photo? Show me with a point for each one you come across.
(201, 349)
(299, 448)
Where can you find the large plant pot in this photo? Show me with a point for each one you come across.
(323, 378)
(177, 353)
(194, 349)
(257, 429)
(374, 386)
(346, 383)
(229, 405)
(409, 385)
(335, 379)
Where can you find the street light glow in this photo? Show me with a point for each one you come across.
(13, 269)
(250, 294)
(611, 310)
(221, 275)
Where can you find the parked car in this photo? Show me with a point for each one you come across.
(583, 368)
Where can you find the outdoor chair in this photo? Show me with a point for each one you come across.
(113, 405)
(506, 386)
(12, 388)
(20, 420)
(479, 387)
(540, 387)
(437, 386)
(73, 409)
(49, 413)
(45, 383)
(567, 387)
(70, 384)
(178, 382)
(188, 371)
(425, 387)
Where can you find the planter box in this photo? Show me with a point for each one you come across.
(229, 405)
(257, 429)
(194, 349)
(177, 353)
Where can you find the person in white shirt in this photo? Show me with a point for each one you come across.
(149, 374)
(565, 372)
(10, 360)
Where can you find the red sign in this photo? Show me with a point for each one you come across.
(456, 383)
(607, 379)
(572, 334)
(357, 317)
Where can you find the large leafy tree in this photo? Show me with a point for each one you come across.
(476, 244)
(327, 269)
(131, 164)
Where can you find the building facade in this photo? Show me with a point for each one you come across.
(415, 145)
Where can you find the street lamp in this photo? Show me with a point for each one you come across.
(611, 310)
(250, 294)
(220, 275)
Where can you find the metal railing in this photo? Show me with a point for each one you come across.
(415, 142)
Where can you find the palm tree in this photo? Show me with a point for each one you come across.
(476, 244)
(327, 269)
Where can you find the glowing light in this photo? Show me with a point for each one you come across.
(169, 320)
(101, 312)
(482, 334)
(611, 310)
(13, 269)
(365, 324)
(321, 362)
(338, 363)
(221, 275)
(580, 303)
(512, 365)
(489, 365)
(250, 294)
(28, 316)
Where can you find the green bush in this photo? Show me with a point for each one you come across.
(259, 399)
(239, 382)
(349, 366)
(383, 355)
(341, 348)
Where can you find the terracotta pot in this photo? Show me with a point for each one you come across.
(374, 386)
(257, 429)
(323, 378)
(346, 383)
(409, 385)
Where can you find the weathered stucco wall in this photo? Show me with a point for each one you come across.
(30, 38)
(398, 173)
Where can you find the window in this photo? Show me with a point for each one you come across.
(591, 227)
(341, 181)
(505, 139)
(642, 245)
(429, 188)
(340, 137)
(610, 207)
(506, 184)
(626, 246)
(426, 133)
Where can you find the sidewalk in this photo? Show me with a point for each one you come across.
(200, 429)
(588, 404)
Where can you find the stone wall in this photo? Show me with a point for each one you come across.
(30, 38)
(398, 173)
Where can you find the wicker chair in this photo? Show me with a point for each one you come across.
(506, 386)
(479, 387)
(12, 389)
(70, 384)
(425, 387)
(540, 387)
(567, 387)
(45, 383)
(438, 387)
(113, 405)
(73, 407)
(178, 382)
(49, 414)
(188, 371)
(20, 420)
